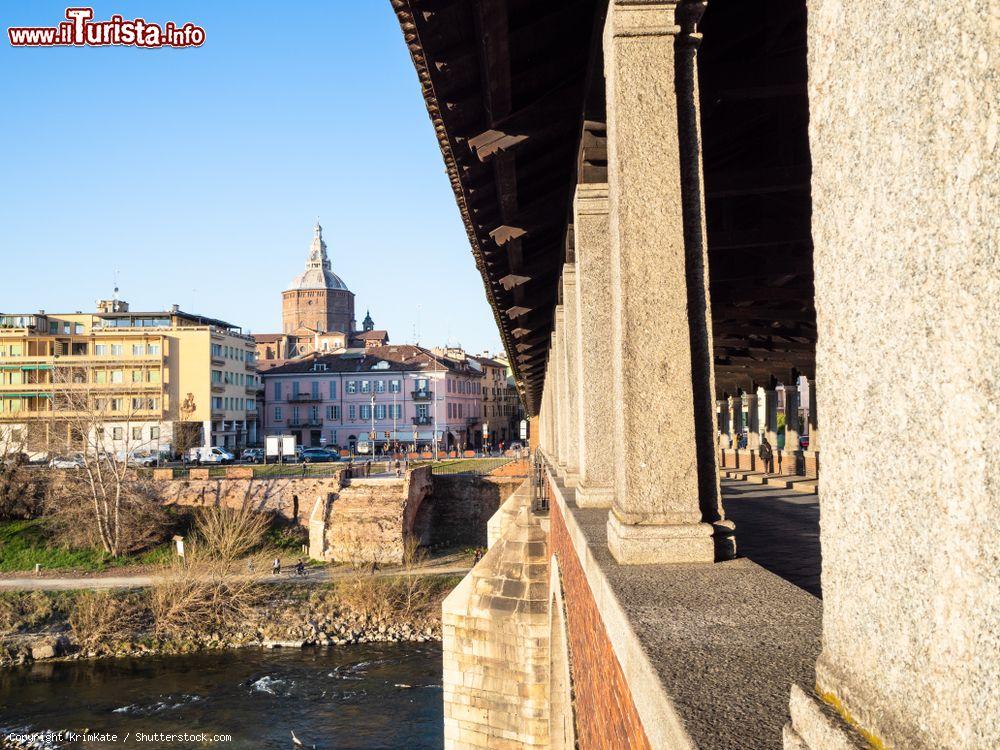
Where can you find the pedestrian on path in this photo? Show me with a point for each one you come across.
(276, 566)
(767, 456)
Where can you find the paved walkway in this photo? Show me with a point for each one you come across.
(314, 576)
(778, 529)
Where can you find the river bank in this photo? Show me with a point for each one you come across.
(72, 625)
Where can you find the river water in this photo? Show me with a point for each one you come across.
(348, 697)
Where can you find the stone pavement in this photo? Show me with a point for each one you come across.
(778, 529)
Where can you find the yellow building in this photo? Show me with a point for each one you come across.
(156, 381)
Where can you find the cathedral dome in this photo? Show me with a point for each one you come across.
(318, 273)
(317, 278)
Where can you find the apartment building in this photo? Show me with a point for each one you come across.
(401, 393)
(149, 381)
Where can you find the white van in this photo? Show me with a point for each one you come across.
(210, 454)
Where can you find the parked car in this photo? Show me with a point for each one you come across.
(74, 461)
(135, 458)
(253, 455)
(210, 454)
(317, 455)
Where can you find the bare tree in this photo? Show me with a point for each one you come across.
(102, 426)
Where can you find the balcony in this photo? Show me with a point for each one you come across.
(305, 422)
(302, 398)
(423, 420)
(422, 394)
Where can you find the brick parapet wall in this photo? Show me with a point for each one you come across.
(606, 717)
(603, 641)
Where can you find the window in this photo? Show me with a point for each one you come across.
(379, 386)
(315, 389)
(100, 376)
(393, 386)
(216, 376)
(333, 412)
(138, 350)
(137, 403)
(333, 389)
(366, 411)
(399, 411)
(136, 376)
(352, 386)
(277, 390)
(100, 350)
(380, 411)
(366, 386)
(277, 414)
(66, 328)
(116, 350)
(351, 412)
(154, 433)
(137, 433)
(295, 389)
(53, 326)
(295, 415)
(153, 349)
(423, 410)
(117, 433)
(117, 376)
(313, 414)
(451, 409)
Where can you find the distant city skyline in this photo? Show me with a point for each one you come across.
(197, 174)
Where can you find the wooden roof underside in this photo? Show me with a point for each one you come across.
(513, 90)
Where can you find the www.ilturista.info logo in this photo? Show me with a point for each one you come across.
(79, 30)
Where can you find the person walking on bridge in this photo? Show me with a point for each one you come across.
(767, 456)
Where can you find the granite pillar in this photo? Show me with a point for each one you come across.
(593, 341)
(791, 452)
(666, 504)
(571, 357)
(771, 421)
(562, 390)
(907, 277)
(753, 421)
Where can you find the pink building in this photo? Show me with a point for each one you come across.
(399, 392)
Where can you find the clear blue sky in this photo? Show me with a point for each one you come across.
(198, 173)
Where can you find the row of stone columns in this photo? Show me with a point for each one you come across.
(761, 422)
(628, 392)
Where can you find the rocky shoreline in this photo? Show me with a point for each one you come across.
(288, 623)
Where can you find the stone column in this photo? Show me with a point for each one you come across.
(593, 341)
(571, 357)
(813, 418)
(738, 421)
(731, 422)
(666, 501)
(771, 417)
(753, 421)
(791, 451)
(723, 411)
(562, 387)
(552, 383)
(907, 277)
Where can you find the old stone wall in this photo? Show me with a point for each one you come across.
(606, 717)
(291, 497)
(463, 505)
(371, 519)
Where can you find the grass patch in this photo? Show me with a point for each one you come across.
(23, 544)
(469, 465)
